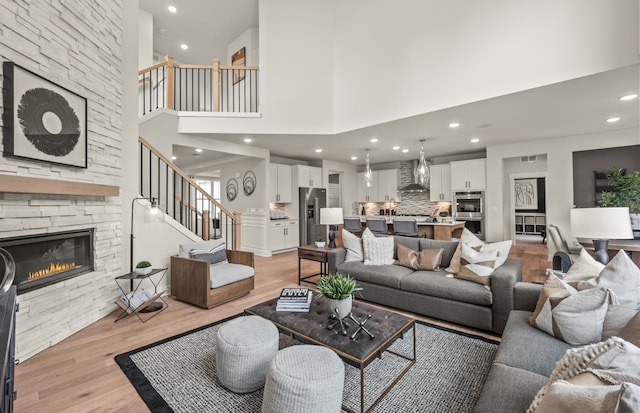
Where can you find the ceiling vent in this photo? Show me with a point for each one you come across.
(528, 159)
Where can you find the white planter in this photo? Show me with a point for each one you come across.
(341, 307)
(320, 244)
(143, 271)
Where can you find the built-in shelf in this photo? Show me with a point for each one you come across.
(533, 223)
(28, 185)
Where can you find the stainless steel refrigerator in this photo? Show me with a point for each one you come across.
(311, 200)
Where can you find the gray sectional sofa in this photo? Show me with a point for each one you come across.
(432, 293)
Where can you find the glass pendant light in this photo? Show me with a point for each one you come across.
(423, 169)
(368, 176)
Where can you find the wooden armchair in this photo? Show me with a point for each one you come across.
(191, 280)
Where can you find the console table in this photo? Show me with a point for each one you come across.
(631, 246)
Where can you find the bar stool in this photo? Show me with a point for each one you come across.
(353, 225)
(378, 226)
(407, 228)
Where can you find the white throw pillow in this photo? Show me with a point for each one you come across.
(620, 275)
(377, 250)
(467, 237)
(584, 267)
(353, 245)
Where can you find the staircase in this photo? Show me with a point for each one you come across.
(179, 197)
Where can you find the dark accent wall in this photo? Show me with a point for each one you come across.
(586, 162)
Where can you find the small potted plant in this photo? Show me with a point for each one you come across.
(143, 268)
(320, 242)
(339, 289)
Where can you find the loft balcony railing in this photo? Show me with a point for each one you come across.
(196, 88)
(185, 201)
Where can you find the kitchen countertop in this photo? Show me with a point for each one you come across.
(419, 220)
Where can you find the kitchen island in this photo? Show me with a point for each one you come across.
(434, 230)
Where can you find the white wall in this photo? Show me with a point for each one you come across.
(145, 39)
(559, 181)
(250, 41)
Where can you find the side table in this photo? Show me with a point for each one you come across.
(312, 253)
(133, 276)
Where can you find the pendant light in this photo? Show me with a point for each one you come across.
(423, 168)
(368, 176)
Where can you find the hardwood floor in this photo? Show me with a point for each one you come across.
(79, 374)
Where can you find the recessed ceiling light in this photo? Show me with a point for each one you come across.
(173, 158)
(172, 9)
(198, 150)
(184, 46)
(318, 150)
(475, 140)
(247, 140)
(353, 158)
(454, 125)
(629, 97)
(613, 120)
(405, 150)
(373, 140)
(395, 148)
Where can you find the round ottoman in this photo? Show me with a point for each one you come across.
(306, 379)
(244, 348)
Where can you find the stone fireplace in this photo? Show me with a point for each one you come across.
(46, 259)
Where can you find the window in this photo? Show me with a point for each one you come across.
(212, 187)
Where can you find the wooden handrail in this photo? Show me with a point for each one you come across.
(150, 68)
(183, 175)
(239, 68)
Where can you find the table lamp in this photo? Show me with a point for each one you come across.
(601, 225)
(333, 218)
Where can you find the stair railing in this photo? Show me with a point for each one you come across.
(184, 200)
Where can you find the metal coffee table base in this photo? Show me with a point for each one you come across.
(412, 361)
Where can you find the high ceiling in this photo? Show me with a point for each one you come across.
(579, 106)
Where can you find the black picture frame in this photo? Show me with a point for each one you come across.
(43, 121)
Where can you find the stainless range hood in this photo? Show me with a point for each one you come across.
(414, 187)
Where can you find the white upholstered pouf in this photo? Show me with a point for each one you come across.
(306, 379)
(244, 349)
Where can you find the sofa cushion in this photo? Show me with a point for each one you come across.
(437, 284)
(428, 260)
(386, 275)
(583, 268)
(185, 248)
(353, 245)
(223, 274)
(509, 389)
(448, 246)
(518, 335)
(408, 242)
(622, 276)
(554, 288)
(377, 250)
(476, 266)
(502, 249)
(407, 257)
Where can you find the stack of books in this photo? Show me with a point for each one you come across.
(294, 299)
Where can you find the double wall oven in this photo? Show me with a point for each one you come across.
(468, 206)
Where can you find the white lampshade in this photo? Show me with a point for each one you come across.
(601, 223)
(331, 216)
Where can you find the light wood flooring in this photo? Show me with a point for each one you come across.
(79, 374)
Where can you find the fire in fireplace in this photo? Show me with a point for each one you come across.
(46, 259)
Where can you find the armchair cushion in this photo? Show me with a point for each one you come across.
(216, 255)
(185, 249)
(227, 273)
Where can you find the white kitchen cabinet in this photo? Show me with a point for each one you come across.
(388, 182)
(307, 176)
(283, 234)
(280, 183)
(469, 175)
(440, 182)
(365, 193)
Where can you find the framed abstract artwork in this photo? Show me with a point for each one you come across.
(42, 121)
(238, 59)
(526, 193)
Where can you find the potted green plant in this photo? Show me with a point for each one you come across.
(320, 242)
(143, 268)
(626, 193)
(339, 289)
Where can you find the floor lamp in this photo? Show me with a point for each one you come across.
(601, 225)
(333, 218)
(154, 211)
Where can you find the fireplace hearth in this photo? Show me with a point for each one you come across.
(47, 259)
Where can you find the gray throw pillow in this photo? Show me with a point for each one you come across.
(216, 255)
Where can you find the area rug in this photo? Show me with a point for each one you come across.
(178, 374)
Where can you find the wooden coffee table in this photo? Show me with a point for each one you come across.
(386, 326)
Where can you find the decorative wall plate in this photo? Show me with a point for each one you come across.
(249, 183)
(232, 189)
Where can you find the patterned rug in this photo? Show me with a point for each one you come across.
(178, 374)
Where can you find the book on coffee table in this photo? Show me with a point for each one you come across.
(294, 295)
(295, 305)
